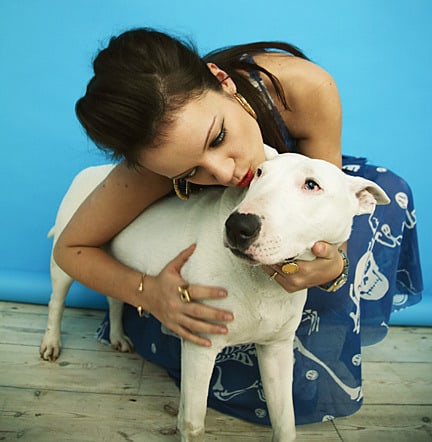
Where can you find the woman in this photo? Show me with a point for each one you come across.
(176, 119)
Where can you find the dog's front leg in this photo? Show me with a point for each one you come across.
(196, 370)
(276, 367)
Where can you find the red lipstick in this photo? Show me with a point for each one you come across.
(245, 181)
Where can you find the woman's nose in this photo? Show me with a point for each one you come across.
(221, 169)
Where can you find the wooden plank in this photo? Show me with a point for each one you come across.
(24, 309)
(76, 373)
(387, 423)
(77, 370)
(47, 415)
(402, 344)
(94, 393)
(78, 326)
(44, 415)
(401, 383)
(78, 333)
(82, 370)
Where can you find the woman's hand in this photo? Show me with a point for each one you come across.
(185, 319)
(326, 267)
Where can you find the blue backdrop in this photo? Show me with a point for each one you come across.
(378, 51)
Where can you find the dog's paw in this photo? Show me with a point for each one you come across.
(121, 342)
(50, 349)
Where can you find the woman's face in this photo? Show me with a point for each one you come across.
(212, 140)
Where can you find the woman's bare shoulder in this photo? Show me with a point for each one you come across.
(296, 75)
(314, 114)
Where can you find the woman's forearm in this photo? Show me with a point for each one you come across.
(96, 269)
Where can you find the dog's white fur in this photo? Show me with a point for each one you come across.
(293, 214)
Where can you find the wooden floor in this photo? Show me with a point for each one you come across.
(93, 393)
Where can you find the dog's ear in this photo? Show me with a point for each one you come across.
(368, 193)
(270, 152)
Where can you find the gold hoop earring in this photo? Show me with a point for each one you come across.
(245, 105)
(181, 188)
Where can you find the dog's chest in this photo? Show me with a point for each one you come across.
(263, 317)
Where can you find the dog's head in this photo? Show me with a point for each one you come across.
(293, 202)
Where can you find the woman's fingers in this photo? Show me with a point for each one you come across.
(196, 291)
(327, 266)
(193, 322)
(179, 261)
(186, 334)
(324, 250)
(193, 328)
(178, 305)
(290, 282)
(330, 253)
(205, 312)
(200, 292)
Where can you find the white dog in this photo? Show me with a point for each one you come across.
(292, 202)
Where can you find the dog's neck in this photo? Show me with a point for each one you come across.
(308, 255)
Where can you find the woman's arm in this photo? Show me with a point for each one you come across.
(116, 202)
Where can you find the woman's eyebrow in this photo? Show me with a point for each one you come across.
(180, 175)
(208, 133)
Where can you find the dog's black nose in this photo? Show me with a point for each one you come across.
(241, 229)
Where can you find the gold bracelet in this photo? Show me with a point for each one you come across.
(140, 290)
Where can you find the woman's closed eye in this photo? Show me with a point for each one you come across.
(218, 140)
(220, 137)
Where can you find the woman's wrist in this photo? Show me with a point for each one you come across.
(140, 292)
(337, 283)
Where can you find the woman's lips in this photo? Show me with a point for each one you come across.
(245, 181)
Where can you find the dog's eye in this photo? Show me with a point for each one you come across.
(258, 172)
(311, 185)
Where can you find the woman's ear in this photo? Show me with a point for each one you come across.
(224, 79)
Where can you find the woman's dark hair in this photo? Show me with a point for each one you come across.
(140, 80)
(143, 77)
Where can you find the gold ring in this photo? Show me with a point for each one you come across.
(290, 268)
(184, 293)
(272, 277)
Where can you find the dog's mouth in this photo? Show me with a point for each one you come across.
(243, 256)
(249, 259)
